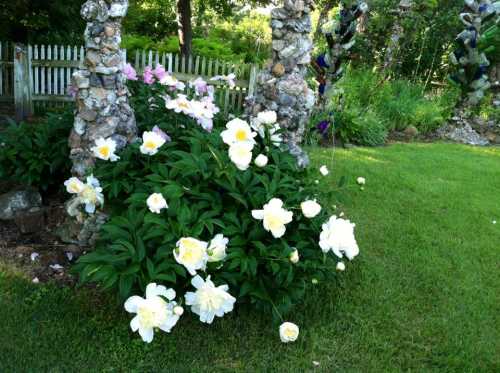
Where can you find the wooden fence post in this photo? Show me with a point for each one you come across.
(22, 82)
(252, 81)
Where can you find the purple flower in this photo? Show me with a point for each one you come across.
(129, 72)
(148, 75)
(162, 134)
(160, 72)
(72, 91)
(323, 127)
(200, 86)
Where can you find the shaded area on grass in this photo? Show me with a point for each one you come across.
(423, 295)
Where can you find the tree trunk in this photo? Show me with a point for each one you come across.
(184, 26)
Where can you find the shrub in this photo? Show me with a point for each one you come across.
(37, 154)
(372, 107)
(207, 195)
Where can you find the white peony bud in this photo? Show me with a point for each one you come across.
(294, 256)
(324, 170)
(340, 266)
(261, 160)
(289, 332)
(310, 208)
(178, 310)
(156, 203)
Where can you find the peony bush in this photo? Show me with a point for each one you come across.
(206, 215)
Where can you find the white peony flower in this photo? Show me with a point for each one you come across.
(91, 195)
(105, 149)
(340, 266)
(272, 128)
(267, 117)
(338, 236)
(294, 256)
(275, 217)
(156, 203)
(192, 254)
(74, 185)
(310, 208)
(261, 160)
(217, 248)
(181, 104)
(289, 332)
(361, 180)
(241, 155)
(153, 311)
(238, 131)
(209, 301)
(324, 170)
(172, 81)
(151, 142)
(229, 79)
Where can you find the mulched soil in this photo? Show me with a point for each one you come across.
(17, 248)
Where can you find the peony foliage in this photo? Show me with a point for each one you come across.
(219, 214)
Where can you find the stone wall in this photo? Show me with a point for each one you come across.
(281, 87)
(101, 94)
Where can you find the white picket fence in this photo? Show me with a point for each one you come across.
(36, 76)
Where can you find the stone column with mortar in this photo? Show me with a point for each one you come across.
(102, 103)
(102, 106)
(282, 87)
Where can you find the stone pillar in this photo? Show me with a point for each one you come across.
(102, 108)
(472, 64)
(282, 87)
(101, 94)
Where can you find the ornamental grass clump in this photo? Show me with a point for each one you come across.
(220, 217)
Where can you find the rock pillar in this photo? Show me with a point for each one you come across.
(101, 94)
(282, 87)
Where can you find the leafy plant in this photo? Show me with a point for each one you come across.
(37, 154)
(206, 195)
(372, 107)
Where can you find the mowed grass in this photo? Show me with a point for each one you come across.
(424, 295)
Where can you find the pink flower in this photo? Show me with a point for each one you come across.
(148, 75)
(129, 72)
(162, 134)
(200, 86)
(160, 72)
(72, 91)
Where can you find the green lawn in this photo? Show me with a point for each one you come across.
(424, 295)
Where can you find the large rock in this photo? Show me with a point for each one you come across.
(15, 203)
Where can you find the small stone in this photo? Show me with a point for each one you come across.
(118, 10)
(35, 280)
(278, 70)
(109, 31)
(88, 114)
(411, 132)
(79, 125)
(14, 203)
